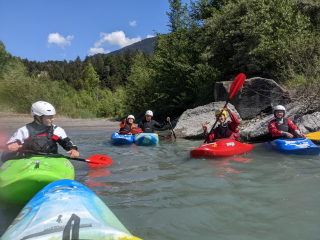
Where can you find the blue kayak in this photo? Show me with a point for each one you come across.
(146, 138)
(117, 138)
(66, 209)
(300, 146)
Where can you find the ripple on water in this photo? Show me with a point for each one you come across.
(160, 192)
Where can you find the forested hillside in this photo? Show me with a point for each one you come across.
(146, 45)
(208, 40)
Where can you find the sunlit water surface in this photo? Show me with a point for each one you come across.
(160, 192)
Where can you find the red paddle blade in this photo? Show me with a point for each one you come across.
(167, 137)
(237, 84)
(136, 130)
(99, 161)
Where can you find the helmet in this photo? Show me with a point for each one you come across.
(131, 116)
(41, 108)
(149, 112)
(279, 108)
(217, 113)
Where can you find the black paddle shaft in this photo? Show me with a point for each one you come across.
(217, 119)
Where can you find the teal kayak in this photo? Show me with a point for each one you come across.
(146, 139)
(66, 209)
(21, 179)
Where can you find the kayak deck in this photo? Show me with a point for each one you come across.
(64, 209)
(221, 148)
(146, 139)
(117, 138)
(298, 146)
(21, 179)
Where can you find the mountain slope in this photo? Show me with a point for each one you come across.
(146, 45)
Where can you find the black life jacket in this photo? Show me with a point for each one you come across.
(147, 127)
(126, 128)
(284, 127)
(222, 130)
(41, 142)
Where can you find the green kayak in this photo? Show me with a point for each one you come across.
(21, 179)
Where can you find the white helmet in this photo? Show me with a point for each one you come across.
(131, 116)
(41, 108)
(149, 112)
(279, 108)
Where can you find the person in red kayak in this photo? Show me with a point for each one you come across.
(225, 129)
(126, 125)
(281, 126)
(41, 135)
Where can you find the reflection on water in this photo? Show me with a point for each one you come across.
(224, 164)
(97, 177)
(160, 192)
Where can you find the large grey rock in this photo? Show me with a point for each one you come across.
(258, 129)
(256, 95)
(309, 123)
(190, 122)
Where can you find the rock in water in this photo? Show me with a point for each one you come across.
(190, 122)
(256, 95)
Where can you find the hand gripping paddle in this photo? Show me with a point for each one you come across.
(235, 87)
(93, 161)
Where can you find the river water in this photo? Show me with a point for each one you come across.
(160, 192)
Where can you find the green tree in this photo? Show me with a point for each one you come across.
(140, 89)
(250, 35)
(90, 78)
(5, 58)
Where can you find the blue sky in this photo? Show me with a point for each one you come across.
(44, 30)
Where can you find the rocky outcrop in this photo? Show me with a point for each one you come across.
(256, 95)
(309, 123)
(190, 122)
(258, 129)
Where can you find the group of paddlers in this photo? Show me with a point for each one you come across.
(278, 127)
(42, 135)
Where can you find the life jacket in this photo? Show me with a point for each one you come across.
(44, 143)
(283, 127)
(147, 127)
(222, 130)
(126, 128)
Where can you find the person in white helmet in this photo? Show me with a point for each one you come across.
(41, 135)
(126, 125)
(147, 125)
(281, 126)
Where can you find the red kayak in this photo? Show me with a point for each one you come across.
(221, 148)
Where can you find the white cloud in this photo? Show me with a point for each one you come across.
(56, 38)
(116, 38)
(133, 23)
(93, 51)
(150, 36)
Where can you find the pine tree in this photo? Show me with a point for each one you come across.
(90, 78)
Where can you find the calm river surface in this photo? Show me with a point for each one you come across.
(160, 192)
